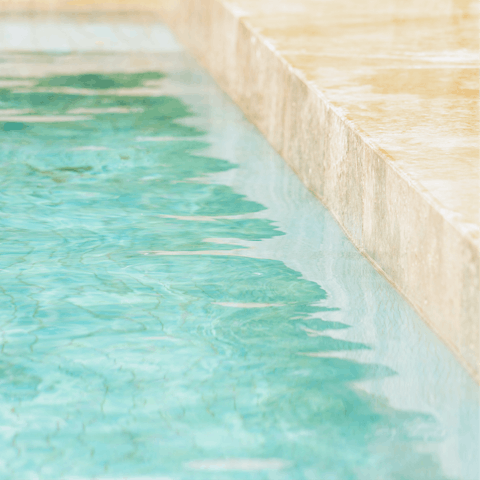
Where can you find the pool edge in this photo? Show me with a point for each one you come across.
(411, 242)
(397, 226)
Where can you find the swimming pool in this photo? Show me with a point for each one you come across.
(175, 305)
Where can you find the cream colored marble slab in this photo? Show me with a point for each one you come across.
(78, 5)
(374, 104)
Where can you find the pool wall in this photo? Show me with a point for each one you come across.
(397, 209)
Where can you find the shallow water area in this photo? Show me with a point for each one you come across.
(175, 305)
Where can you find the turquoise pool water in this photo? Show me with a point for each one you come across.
(175, 305)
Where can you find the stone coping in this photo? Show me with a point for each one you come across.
(374, 104)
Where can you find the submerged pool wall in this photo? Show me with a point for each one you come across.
(396, 161)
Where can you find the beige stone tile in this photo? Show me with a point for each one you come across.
(375, 106)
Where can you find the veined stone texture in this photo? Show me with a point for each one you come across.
(375, 106)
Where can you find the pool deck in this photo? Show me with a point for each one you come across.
(375, 106)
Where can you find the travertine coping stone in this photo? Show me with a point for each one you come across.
(392, 220)
(419, 234)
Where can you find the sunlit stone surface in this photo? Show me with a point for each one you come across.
(374, 104)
